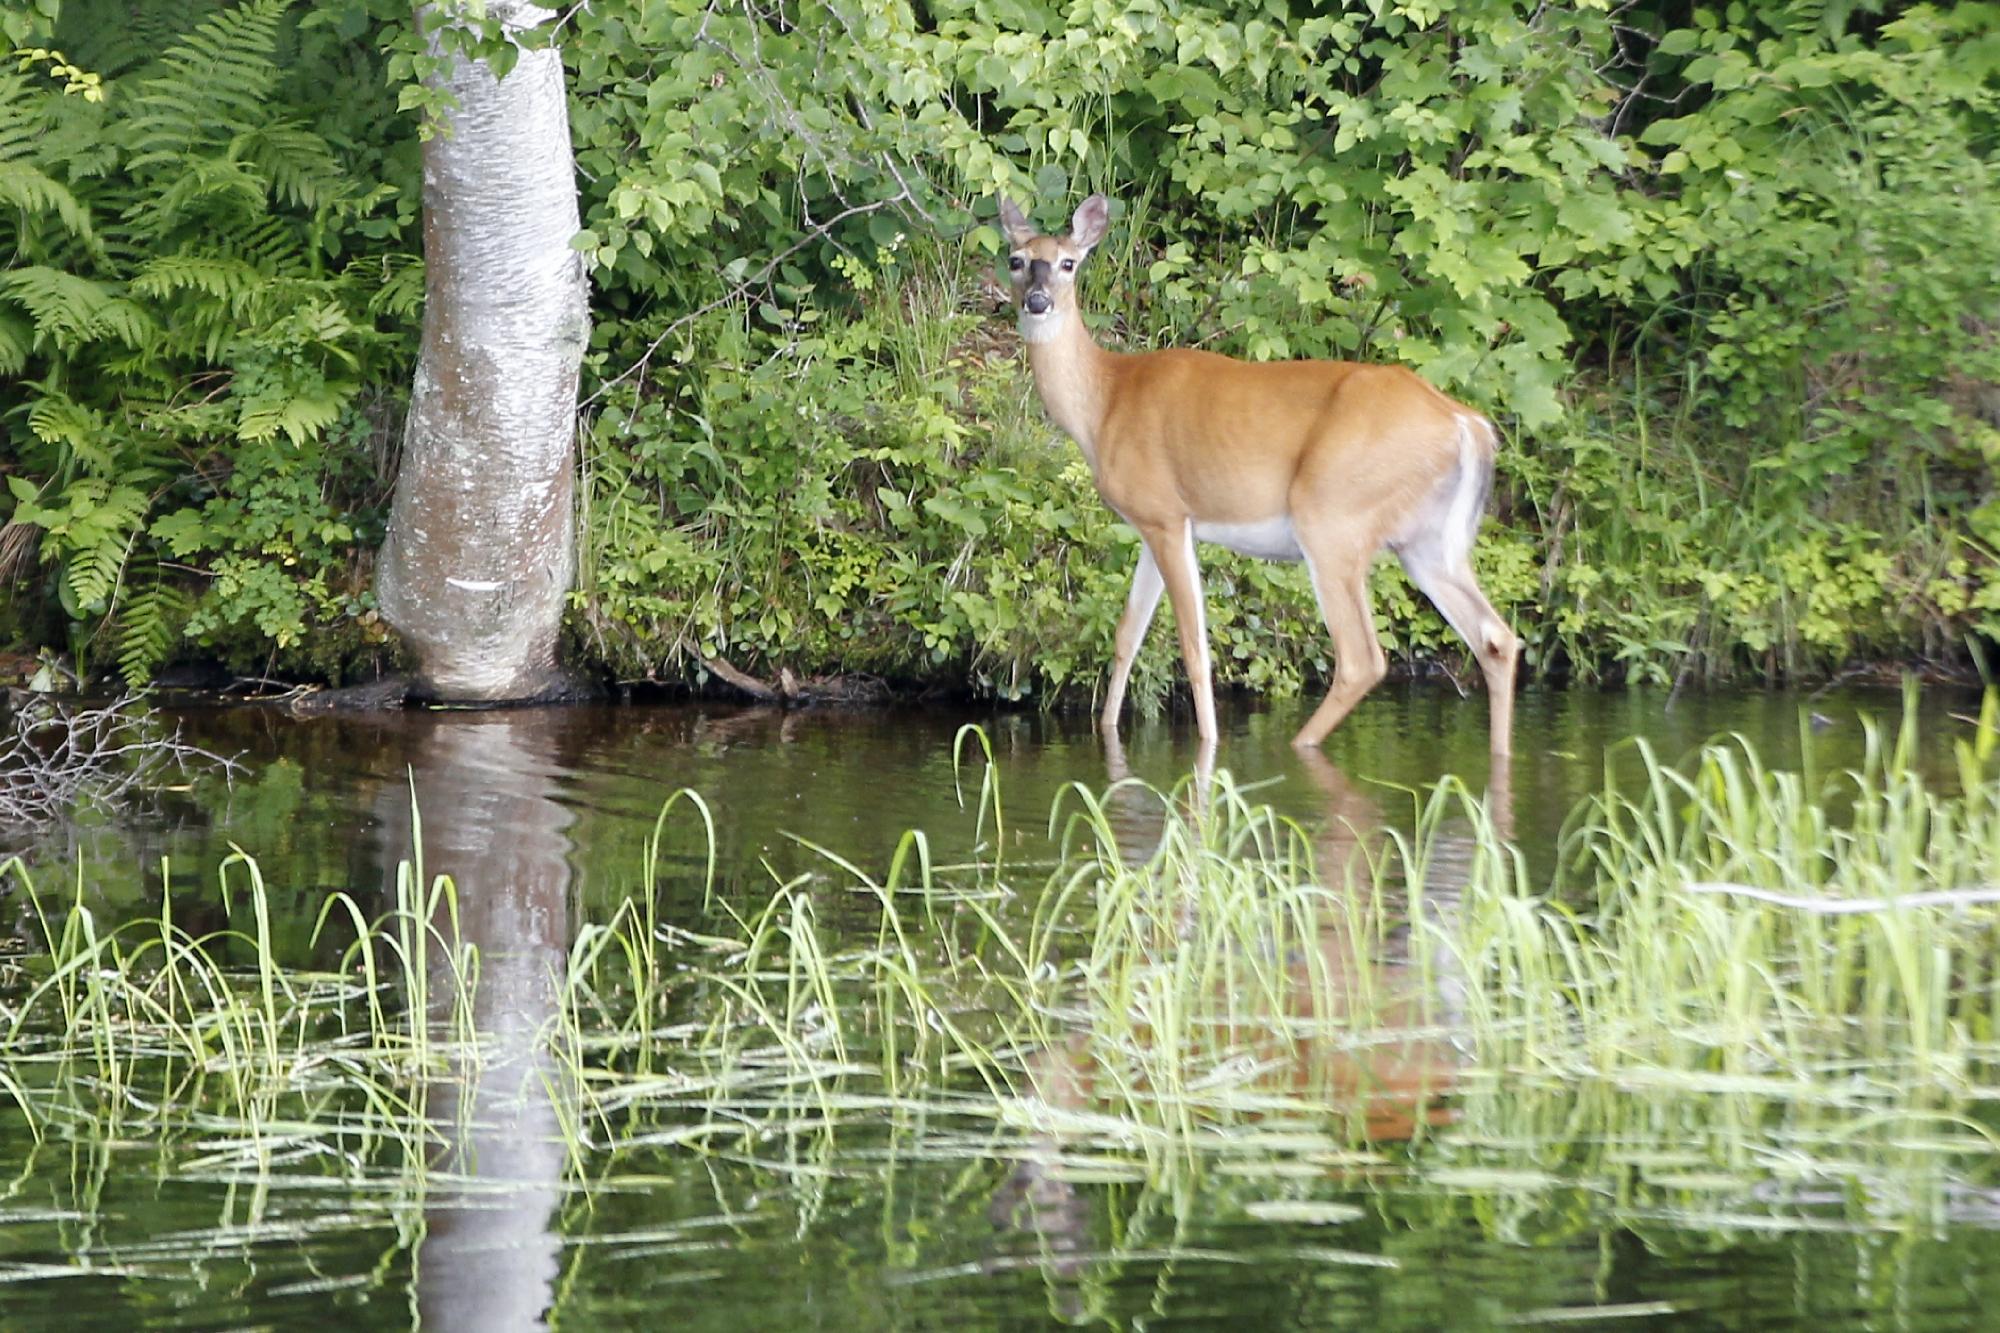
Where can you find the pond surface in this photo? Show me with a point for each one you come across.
(912, 1217)
(325, 802)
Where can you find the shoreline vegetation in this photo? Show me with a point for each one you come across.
(1727, 283)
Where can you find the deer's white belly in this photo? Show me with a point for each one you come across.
(1270, 539)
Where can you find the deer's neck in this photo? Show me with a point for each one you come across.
(1073, 376)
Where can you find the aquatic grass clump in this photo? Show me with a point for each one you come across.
(151, 1028)
(1190, 971)
(1219, 977)
(1761, 914)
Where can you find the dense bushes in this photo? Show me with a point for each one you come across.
(1728, 282)
(208, 284)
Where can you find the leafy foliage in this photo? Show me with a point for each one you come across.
(192, 266)
(1726, 275)
(1710, 276)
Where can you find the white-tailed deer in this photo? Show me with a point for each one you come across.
(1323, 461)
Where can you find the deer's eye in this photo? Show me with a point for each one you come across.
(1015, 262)
(1069, 266)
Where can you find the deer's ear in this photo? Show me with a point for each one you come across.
(1019, 230)
(1093, 217)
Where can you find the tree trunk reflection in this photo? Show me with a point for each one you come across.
(485, 787)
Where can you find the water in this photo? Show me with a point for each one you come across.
(541, 816)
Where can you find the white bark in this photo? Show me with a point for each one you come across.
(479, 554)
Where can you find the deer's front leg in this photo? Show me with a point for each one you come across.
(1132, 626)
(1173, 550)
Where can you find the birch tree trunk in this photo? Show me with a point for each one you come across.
(478, 557)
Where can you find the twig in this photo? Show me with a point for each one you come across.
(736, 293)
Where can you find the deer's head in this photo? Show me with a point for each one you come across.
(1043, 268)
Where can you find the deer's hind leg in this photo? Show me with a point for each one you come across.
(1339, 568)
(1449, 583)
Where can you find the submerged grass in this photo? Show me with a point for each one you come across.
(1742, 980)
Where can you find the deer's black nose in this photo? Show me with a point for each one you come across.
(1038, 303)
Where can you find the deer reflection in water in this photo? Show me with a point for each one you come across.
(1381, 1055)
(485, 786)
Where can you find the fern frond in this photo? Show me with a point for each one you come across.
(202, 180)
(70, 311)
(214, 297)
(150, 623)
(222, 277)
(91, 573)
(91, 524)
(55, 419)
(207, 87)
(20, 121)
(201, 419)
(399, 284)
(273, 245)
(17, 339)
(25, 187)
(126, 321)
(77, 140)
(299, 412)
(105, 450)
(63, 306)
(298, 163)
(122, 512)
(116, 36)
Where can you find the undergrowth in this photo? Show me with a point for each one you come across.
(1693, 271)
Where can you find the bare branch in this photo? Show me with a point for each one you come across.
(55, 758)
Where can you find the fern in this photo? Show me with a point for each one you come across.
(26, 187)
(149, 624)
(78, 141)
(300, 413)
(17, 337)
(398, 285)
(209, 86)
(60, 420)
(271, 243)
(228, 186)
(297, 163)
(114, 36)
(224, 278)
(19, 124)
(71, 311)
(90, 530)
(91, 571)
(194, 274)
(64, 307)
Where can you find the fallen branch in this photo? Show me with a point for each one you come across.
(790, 689)
(1831, 906)
(742, 680)
(54, 757)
